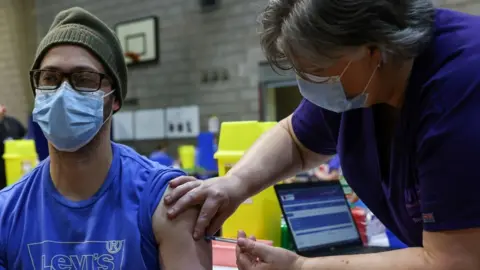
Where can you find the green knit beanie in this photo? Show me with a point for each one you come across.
(79, 27)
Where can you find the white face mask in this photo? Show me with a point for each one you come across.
(328, 92)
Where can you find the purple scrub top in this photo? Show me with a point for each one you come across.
(432, 182)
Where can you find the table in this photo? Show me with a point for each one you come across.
(224, 268)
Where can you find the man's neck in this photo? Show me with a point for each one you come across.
(79, 175)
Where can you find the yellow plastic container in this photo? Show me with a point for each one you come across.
(259, 215)
(186, 153)
(20, 157)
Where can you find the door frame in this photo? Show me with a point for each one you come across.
(269, 79)
(267, 89)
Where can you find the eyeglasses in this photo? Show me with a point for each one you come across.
(324, 80)
(83, 81)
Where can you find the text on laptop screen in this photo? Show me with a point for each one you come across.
(318, 216)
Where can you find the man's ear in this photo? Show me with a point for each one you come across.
(116, 104)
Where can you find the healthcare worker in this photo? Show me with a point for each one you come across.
(393, 87)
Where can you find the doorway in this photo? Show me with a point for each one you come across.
(281, 101)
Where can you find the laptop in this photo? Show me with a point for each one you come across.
(319, 219)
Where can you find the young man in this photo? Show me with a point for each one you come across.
(92, 204)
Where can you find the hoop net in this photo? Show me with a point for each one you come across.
(135, 57)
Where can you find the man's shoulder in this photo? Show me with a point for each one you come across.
(143, 170)
(149, 180)
(9, 197)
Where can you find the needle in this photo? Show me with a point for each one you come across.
(221, 239)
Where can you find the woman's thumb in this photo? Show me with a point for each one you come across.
(254, 248)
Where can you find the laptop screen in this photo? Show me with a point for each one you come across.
(318, 216)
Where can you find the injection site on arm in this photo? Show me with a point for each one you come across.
(177, 248)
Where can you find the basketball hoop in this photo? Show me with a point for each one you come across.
(135, 57)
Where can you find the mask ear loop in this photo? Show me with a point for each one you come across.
(345, 69)
(111, 109)
(379, 65)
(371, 78)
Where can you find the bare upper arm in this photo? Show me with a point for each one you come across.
(177, 248)
(459, 250)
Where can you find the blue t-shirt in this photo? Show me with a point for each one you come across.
(433, 179)
(41, 229)
(162, 158)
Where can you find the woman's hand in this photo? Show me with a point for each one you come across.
(252, 255)
(219, 197)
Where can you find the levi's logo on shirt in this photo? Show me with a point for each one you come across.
(88, 255)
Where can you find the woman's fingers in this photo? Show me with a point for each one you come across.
(180, 190)
(193, 197)
(244, 259)
(216, 223)
(208, 211)
(181, 180)
(241, 234)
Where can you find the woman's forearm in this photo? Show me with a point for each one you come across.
(274, 156)
(410, 258)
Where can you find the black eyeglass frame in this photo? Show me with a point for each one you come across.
(68, 76)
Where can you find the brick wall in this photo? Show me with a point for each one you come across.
(469, 6)
(192, 43)
(17, 41)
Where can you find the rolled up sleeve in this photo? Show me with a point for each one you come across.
(316, 128)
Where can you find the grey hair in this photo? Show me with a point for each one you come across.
(317, 30)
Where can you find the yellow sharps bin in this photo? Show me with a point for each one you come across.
(186, 154)
(20, 157)
(259, 215)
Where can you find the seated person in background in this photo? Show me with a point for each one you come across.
(329, 171)
(92, 204)
(161, 156)
(10, 128)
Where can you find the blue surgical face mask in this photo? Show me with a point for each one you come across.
(328, 92)
(68, 118)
